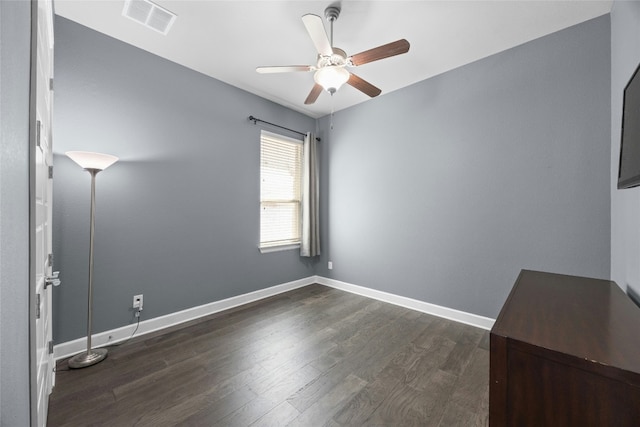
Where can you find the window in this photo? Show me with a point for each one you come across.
(280, 191)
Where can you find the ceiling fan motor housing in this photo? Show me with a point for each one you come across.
(338, 58)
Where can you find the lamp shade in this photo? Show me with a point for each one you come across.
(89, 160)
(331, 77)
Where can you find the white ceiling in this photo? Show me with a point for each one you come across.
(227, 40)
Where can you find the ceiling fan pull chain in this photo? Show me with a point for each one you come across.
(331, 116)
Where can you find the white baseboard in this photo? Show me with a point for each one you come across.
(113, 336)
(413, 304)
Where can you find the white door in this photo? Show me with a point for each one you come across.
(43, 190)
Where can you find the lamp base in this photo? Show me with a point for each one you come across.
(85, 359)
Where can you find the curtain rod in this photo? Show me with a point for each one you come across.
(256, 120)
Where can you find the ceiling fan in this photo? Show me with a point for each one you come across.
(330, 70)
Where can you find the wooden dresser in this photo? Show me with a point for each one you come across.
(565, 351)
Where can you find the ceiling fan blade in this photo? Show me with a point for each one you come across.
(284, 69)
(318, 34)
(313, 95)
(363, 86)
(385, 51)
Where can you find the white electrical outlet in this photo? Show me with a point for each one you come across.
(330, 265)
(137, 301)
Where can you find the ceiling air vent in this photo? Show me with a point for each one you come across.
(149, 14)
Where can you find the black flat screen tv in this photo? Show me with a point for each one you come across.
(629, 168)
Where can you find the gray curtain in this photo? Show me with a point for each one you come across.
(310, 244)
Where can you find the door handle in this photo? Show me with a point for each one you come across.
(52, 280)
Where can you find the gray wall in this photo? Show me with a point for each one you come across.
(444, 190)
(625, 204)
(441, 191)
(178, 216)
(15, 356)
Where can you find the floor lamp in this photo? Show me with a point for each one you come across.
(92, 163)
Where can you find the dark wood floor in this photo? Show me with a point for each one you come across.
(315, 356)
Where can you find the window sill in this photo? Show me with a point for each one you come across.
(268, 249)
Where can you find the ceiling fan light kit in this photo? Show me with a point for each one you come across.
(331, 78)
(330, 70)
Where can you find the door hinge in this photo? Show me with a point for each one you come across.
(38, 126)
(37, 306)
(51, 83)
(51, 347)
(50, 172)
(50, 260)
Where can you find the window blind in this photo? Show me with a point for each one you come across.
(280, 190)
